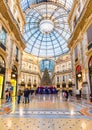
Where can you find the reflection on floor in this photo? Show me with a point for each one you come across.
(46, 112)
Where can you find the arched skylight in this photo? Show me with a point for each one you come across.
(47, 31)
(27, 3)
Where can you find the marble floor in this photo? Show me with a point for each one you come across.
(46, 112)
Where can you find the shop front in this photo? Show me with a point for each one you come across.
(14, 77)
(90, 77)
(2, 76)
(29, 85)
(34, 85)
(22, 85)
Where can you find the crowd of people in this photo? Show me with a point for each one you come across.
(24, 96)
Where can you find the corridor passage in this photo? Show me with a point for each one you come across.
(46, 112)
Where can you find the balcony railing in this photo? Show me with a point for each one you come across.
(2, 46)
(29, 71)
(64, 71)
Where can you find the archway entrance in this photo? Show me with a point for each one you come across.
(14, 77)
(2, 76)
(90, 74)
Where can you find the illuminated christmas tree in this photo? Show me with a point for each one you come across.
(46, 80)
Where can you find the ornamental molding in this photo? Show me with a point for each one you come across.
(12, 24)
(89, 53)
(82, 22)
(5, 23)
(72, 10)
(21, 12)
(4, 53)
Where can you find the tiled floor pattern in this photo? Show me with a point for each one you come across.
(48, 105)
(46, 124)
(31, 112)
(46, 112)
(5, 110)
(87, 111)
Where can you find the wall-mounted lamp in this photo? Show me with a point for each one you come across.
(22, 80)
(70, 80)
(79, 75)
(13, 75)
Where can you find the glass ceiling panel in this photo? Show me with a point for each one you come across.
(46, 30)
(27, 3)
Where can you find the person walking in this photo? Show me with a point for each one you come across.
(7, 94)
(26, 95)
(19, 95)
(67, 94)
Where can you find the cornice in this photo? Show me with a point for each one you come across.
(6, 14)
(3, 52)
(64, 61)
(30, 72)
(29, 61)
(72, 10)
(21, 12)
(4, 23)
(63, 72)
(82, 22)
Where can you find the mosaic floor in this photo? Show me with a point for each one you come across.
(46, 112)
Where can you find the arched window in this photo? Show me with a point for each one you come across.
(3, 36)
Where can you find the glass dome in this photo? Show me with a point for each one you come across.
(46, 26)
(27, 3)
(47, 31)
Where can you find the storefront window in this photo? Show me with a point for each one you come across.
(3, 36)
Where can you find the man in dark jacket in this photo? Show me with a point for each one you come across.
(26, 95)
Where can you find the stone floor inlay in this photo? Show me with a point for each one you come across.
(47, 112)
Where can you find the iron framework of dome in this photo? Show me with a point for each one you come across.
(46, 30)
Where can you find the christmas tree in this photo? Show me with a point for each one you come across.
(46, 80)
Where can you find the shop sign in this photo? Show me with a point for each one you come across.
(78, 69)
